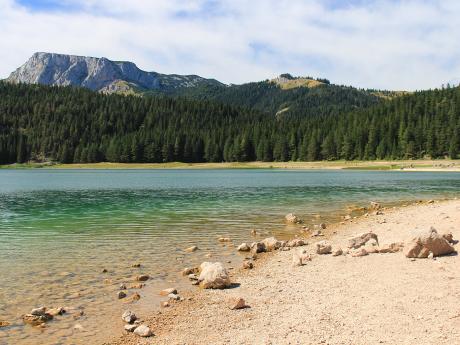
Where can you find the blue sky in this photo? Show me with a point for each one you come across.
(392, 44)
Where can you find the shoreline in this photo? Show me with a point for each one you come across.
(446, 165)
(263, 288)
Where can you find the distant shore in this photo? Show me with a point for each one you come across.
(396, 165)
(379, 298)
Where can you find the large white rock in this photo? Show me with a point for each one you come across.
(213, 276)
(426, 242)
(143, 331)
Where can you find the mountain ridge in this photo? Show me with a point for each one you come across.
(99, 74)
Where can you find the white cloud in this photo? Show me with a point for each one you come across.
(376, 44)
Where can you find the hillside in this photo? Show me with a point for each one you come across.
(76, 125)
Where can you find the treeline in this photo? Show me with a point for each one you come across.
(76, 125)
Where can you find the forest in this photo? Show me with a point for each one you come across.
(75, 125)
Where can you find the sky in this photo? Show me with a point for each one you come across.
(382, 44)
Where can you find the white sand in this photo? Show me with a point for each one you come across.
(376, 299)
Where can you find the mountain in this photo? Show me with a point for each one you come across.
(100, 74)
(282, 96)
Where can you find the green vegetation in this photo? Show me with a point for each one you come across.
(73, 125)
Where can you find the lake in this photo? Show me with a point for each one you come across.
(60, 228)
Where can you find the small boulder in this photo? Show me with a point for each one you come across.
(4, 324)
(244, 247)
(272, 244)
(128, 316)
(143, 331)
(337, 251)
(130, 328)
(236, 303)
(191, 249)
(174, 297)
(291, 218)
(322, 226)
(323, 247)
(166, 292)
(121, 294)
(213, 276)
(421, 245)
(361, 240)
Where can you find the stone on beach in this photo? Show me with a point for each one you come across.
(166, 292)
(391, 248)
(337, 251)
(128, 316)
(143, 331)
(300, 258)
(247, 265)
(317, 233)
(121, 294)
(174, 297)
(323, 247)
(213, 276)
(130, 328)
(295, 242)
(244, 247)
(4, 324)
(359, 252)
(236, 303)
(430, 241)
(292, 219)
(56, 311)
(361, 240)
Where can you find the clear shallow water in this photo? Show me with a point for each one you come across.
(59, 229)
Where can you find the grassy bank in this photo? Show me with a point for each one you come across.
(405, 165)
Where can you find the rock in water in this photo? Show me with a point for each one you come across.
(292, 219)
(213, 276)
(323, 247)
(143, 331)
(166, 292)
(236, 303)
(431, 241)
(142, 277)
(361, 240)
(244, 247)
(257, 247)
(191, 249)
(128, 316)
(272, 244)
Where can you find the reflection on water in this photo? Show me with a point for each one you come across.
(59, 229)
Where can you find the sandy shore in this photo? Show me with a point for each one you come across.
(396, 165)
(375, 299)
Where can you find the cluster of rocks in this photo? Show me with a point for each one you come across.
(39, 316)
(134, 325)
(270, 244)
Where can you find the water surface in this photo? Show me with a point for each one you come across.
(60, 228)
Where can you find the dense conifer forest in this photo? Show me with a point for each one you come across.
(68, 125)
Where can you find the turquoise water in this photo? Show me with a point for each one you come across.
(59, 228)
